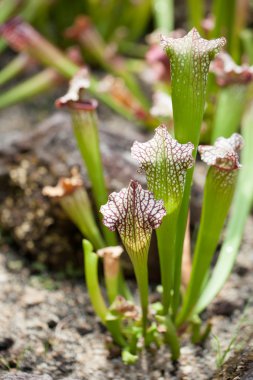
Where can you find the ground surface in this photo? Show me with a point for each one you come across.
(47, 326)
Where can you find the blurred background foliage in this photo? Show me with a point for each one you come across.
(118, 37)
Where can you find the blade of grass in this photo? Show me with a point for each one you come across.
(7, 8)
(14, 68)
(39, 83)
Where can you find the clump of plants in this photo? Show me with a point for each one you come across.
(168, 161)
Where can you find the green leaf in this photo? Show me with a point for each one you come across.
(91, 276)
(97, 300)
(241, 208)
(218, 193)
(190, 58)
(165, 163)
(128, 358)
(196, 10)
(134, 212)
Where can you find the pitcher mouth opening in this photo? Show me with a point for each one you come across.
(88, 105)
